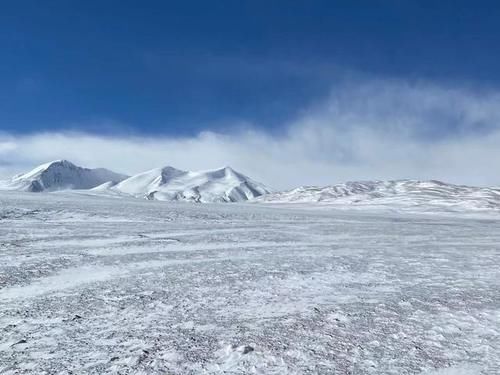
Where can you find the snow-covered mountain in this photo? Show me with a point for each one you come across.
(60, 175)
(227, 185)
(171, 184)
(398, 194)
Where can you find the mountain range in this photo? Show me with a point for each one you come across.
(171, 184)
(227, 185)
(165, 184)
(397, 194)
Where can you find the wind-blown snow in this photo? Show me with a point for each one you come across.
(60, 175)
(93, 285)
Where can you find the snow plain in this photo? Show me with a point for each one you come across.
(96, 285)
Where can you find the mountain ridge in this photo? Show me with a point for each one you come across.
(228, 185)
(60, 175)
(404, 194)
(171, 184)
(164, 183)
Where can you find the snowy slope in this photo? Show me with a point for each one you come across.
(60, 175)
(171, 184)
(395, 194)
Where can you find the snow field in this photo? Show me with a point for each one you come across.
(94, 285)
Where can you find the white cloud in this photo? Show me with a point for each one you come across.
(370, 130)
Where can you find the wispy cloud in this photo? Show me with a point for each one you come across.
(367, 130)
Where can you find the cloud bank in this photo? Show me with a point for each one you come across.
(365, 130)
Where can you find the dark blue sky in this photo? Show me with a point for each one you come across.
(180, 67)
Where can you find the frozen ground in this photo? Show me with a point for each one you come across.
(100, 285)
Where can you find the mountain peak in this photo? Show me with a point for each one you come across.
(44, 167)
(229, 170)
(62, 162)
(62, 174)
(225, 172)
(57, 163)
(168, 170)
(171, 184)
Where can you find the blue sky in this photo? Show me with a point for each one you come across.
(339, 90)
(181, 67)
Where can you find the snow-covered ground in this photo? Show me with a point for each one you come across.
(102, 285)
